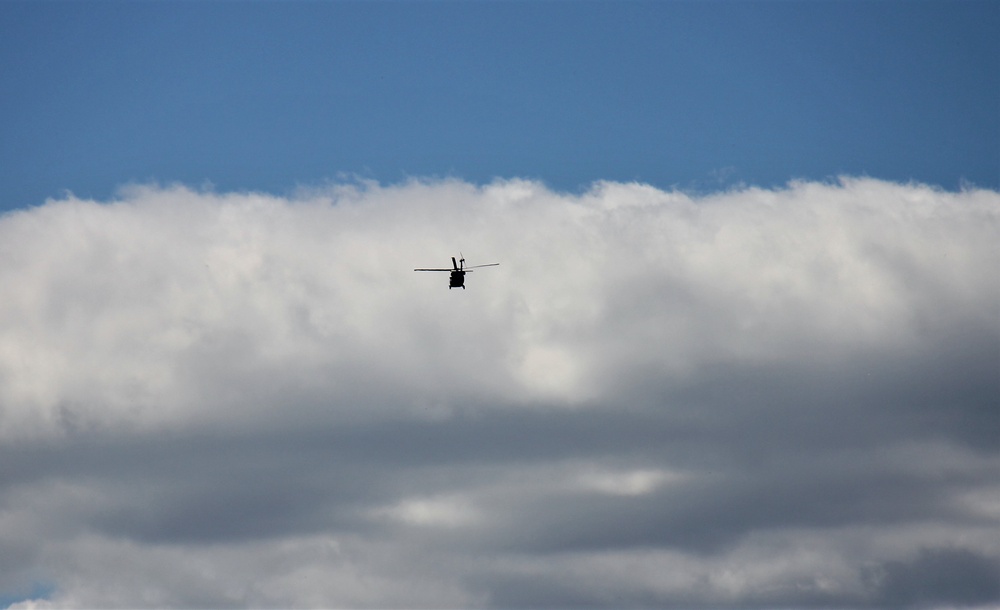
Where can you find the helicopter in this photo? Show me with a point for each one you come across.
(458, 271)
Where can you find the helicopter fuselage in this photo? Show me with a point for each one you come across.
(457, 280)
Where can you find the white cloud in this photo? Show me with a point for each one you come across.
(171, 303)
(234, 398)
(436, 512)
(631, 483)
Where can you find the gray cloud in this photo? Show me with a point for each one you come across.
(937, 576)
(748, 399)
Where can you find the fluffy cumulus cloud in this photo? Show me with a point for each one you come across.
(756, 398)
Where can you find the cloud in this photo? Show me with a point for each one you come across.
(753, 398)
(939, 575)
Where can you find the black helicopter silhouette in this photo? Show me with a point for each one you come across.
(458, 271)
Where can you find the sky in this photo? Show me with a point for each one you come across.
(742, 348)
(271, 96)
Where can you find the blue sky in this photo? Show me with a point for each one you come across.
(268, 96)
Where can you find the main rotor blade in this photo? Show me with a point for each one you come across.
(454, 263)
(486, 265)
(432, 270)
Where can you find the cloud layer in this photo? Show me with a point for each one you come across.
(755, 398)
